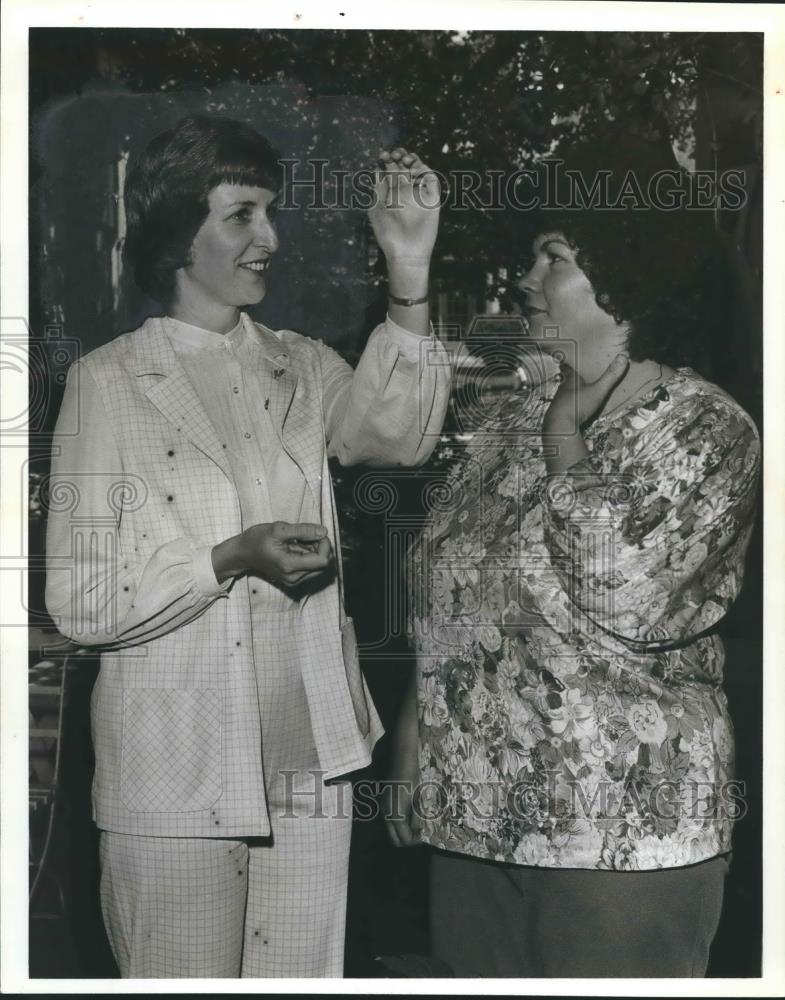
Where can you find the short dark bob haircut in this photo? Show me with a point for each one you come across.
(663, 273)
(167, 188)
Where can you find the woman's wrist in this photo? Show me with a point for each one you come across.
(561, 416)
(561, 429)
(561, 426)
(407, 729)
(228, 558)
(408, 279)
(570, 449)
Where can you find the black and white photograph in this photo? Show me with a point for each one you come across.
(388, 544)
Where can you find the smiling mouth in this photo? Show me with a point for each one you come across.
(257, 266)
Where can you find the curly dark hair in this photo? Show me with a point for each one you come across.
(662, 272)
(167, 188)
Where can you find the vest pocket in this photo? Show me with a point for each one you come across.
(171, 749)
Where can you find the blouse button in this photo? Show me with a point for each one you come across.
(235, 389)
(247, 435)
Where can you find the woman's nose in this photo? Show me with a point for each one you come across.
(528, 282)
(266, 236)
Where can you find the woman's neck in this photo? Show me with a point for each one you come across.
(208, 316)
(641, 376)
(599, 351)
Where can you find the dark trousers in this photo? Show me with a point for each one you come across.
(499, 920)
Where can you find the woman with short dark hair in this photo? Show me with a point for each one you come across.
(192, 534)
(568, 724)
(166, 192)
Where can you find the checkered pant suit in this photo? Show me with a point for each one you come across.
(202, 700)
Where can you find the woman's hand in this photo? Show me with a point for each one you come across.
(284, 554)
(574, 405)
(405, 214)
(401, 820)
(583, 400)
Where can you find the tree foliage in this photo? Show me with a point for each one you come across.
(479, 101)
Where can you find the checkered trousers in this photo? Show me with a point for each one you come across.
(179, 907)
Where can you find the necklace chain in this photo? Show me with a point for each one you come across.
(634, 392)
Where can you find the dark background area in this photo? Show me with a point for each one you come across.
(481, 100)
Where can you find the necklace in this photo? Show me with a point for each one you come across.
(633, 393)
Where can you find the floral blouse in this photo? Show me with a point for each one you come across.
(569, 676)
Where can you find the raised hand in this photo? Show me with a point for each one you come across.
(405, 214)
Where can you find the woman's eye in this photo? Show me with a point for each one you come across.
(554, 258)
(241, 216)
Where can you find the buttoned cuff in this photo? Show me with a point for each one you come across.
(204, 574)
(409, 343)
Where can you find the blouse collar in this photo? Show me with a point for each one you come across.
(189, 339)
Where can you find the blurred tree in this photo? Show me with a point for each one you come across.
(471, 101)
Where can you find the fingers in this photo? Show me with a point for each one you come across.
(397, 156)
(300, 557)
(392, 833)
(325, 549)
(414, 826)
(592, 396)
(402, 833)
(300, 546)
(303, 539)
(400, 161)
(294, 580)
(619, 365)
(304, 561)
(403, 173)
(306, 532)
(401, 821)
(408, 831)
(612, 375)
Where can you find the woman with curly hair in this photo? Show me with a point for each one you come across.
(567, 736)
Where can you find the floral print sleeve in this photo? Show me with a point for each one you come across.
(646, 533)
(571, 710)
